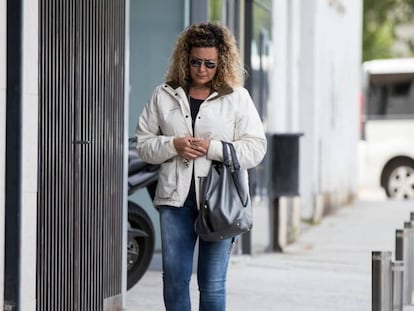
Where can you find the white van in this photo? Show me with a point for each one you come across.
(386, 157)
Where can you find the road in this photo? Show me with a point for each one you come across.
(327, 269)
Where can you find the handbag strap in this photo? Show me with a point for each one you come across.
(234, 161)
(226, 158)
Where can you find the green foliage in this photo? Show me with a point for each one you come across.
(262, 17)
(380, 21)
(215, 10)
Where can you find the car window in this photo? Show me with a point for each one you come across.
(391, 96)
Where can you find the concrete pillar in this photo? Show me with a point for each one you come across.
(30, 101)
(277, 121)
(2, 136)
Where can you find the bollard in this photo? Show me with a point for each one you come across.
(409, 263)
(400, 237)
(397, 268)
(402, 240)
(381, 281)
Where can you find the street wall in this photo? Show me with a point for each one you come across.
(317, 52)
(337, 60)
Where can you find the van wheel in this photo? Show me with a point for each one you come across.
(140, 248)
(399, 179)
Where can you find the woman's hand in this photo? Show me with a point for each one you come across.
(190, 147)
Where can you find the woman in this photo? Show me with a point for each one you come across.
(201, 104)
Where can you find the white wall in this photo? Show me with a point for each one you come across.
(338, 55)
(308, 108)
(283, 106)
(29, 159)
(2, 137)
(291, 33)
(317, 51)
(334, 70)
(277, 117)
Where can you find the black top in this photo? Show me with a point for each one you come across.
(194, 107)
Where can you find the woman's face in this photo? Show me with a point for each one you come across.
(203, 65)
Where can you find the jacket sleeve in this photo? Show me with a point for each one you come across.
(152, 146)
(249, 137)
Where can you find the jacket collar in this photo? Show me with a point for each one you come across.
(223, 90)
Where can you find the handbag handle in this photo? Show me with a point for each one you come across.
(234, 160)
(226, 159)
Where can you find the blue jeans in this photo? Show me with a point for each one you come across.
(178, 240)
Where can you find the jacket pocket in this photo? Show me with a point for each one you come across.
(167, 179)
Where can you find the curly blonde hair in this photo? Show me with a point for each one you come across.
(230, 69)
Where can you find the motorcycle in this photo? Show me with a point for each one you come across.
(141, 235)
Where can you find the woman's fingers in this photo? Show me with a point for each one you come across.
(190, 147)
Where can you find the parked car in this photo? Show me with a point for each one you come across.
(386, 149)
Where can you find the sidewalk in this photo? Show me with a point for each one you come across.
(327, 269)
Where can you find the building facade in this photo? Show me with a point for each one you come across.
(303, 63)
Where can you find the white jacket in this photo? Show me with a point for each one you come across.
(227, 115)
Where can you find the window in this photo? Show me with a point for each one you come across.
(391, 96)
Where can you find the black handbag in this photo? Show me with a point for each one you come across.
(225, 207)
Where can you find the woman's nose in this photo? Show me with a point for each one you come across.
(202, 67)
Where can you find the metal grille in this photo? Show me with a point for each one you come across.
(80, 185)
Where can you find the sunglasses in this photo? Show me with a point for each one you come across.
(208, 63)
